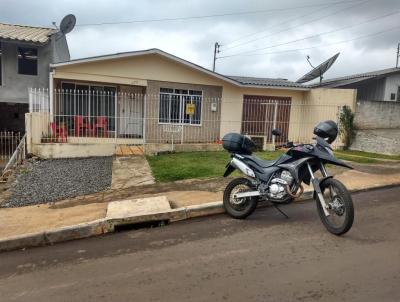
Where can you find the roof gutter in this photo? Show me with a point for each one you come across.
(24, 42)
(276, 87)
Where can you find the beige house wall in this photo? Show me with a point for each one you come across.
(232, 104)
(154, 71)
(319, 104)
(36, 126)
(142, 69)
(138, 70)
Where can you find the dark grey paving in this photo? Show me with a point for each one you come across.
(263, 258)
(41, 181)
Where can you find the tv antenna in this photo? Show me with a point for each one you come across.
(317, 71)
(308, 60)
(67, 24)
(398, 55)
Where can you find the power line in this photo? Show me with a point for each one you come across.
(317, 46)
(202, 16)
(316, 35)
(290, 21)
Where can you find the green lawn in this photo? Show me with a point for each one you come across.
(186, 165)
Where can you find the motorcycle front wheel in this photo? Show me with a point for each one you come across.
(239, 208)
(340, 207)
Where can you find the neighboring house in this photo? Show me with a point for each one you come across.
(377, 112)
(152, 97)
(26, 53)
(379, 85)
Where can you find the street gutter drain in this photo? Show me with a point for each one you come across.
(140, 225)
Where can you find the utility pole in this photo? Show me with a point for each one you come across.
(398, 55)
(216, 50)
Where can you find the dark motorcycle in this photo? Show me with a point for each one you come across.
(280, 181)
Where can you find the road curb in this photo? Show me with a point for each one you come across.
(103, 226)
(78, 231)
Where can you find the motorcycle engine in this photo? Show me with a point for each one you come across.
(276, 189)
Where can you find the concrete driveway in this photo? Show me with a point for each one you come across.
(264, 258)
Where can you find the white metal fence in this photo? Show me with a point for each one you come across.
(12, 152)
(108, 116)
(8, 143)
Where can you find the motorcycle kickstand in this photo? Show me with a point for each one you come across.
(280, 211)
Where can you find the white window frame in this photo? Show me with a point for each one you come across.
(181, 109)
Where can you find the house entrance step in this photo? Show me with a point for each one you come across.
(126, 150)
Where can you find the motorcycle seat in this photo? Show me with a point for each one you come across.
(262, 163)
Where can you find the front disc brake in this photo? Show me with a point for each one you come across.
(337, 206)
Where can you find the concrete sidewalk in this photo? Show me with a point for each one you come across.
(50, 223)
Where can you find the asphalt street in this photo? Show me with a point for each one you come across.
(263, 258)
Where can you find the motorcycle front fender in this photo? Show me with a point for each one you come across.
(319, 183)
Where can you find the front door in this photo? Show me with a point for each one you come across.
(131, 115)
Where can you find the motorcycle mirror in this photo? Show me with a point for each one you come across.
(276, 132)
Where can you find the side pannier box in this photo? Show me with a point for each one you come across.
(238, 143)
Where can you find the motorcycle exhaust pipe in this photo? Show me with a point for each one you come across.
(294, 195)
(257, 193)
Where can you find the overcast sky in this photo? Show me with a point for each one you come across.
(194, 39)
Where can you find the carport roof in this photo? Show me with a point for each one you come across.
(235, 80)
(355, 78)
(25, 33)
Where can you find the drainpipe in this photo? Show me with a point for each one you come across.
(51, 96)
(144, 118)
(115, 118)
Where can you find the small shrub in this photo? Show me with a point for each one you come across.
(346, 126)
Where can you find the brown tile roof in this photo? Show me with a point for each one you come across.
(25, 33)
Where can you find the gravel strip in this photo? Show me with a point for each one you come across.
(42, 181)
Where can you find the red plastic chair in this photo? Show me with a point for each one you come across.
(59, 132)
(80, 123)
(101, 122)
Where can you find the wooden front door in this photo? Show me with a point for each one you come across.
(261, 113)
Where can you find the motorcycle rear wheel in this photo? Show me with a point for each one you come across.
(239, 208)
(341, 207)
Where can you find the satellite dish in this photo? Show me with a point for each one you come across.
(318, 71)
(67, 24)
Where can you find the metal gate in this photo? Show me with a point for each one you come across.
(261, 114)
